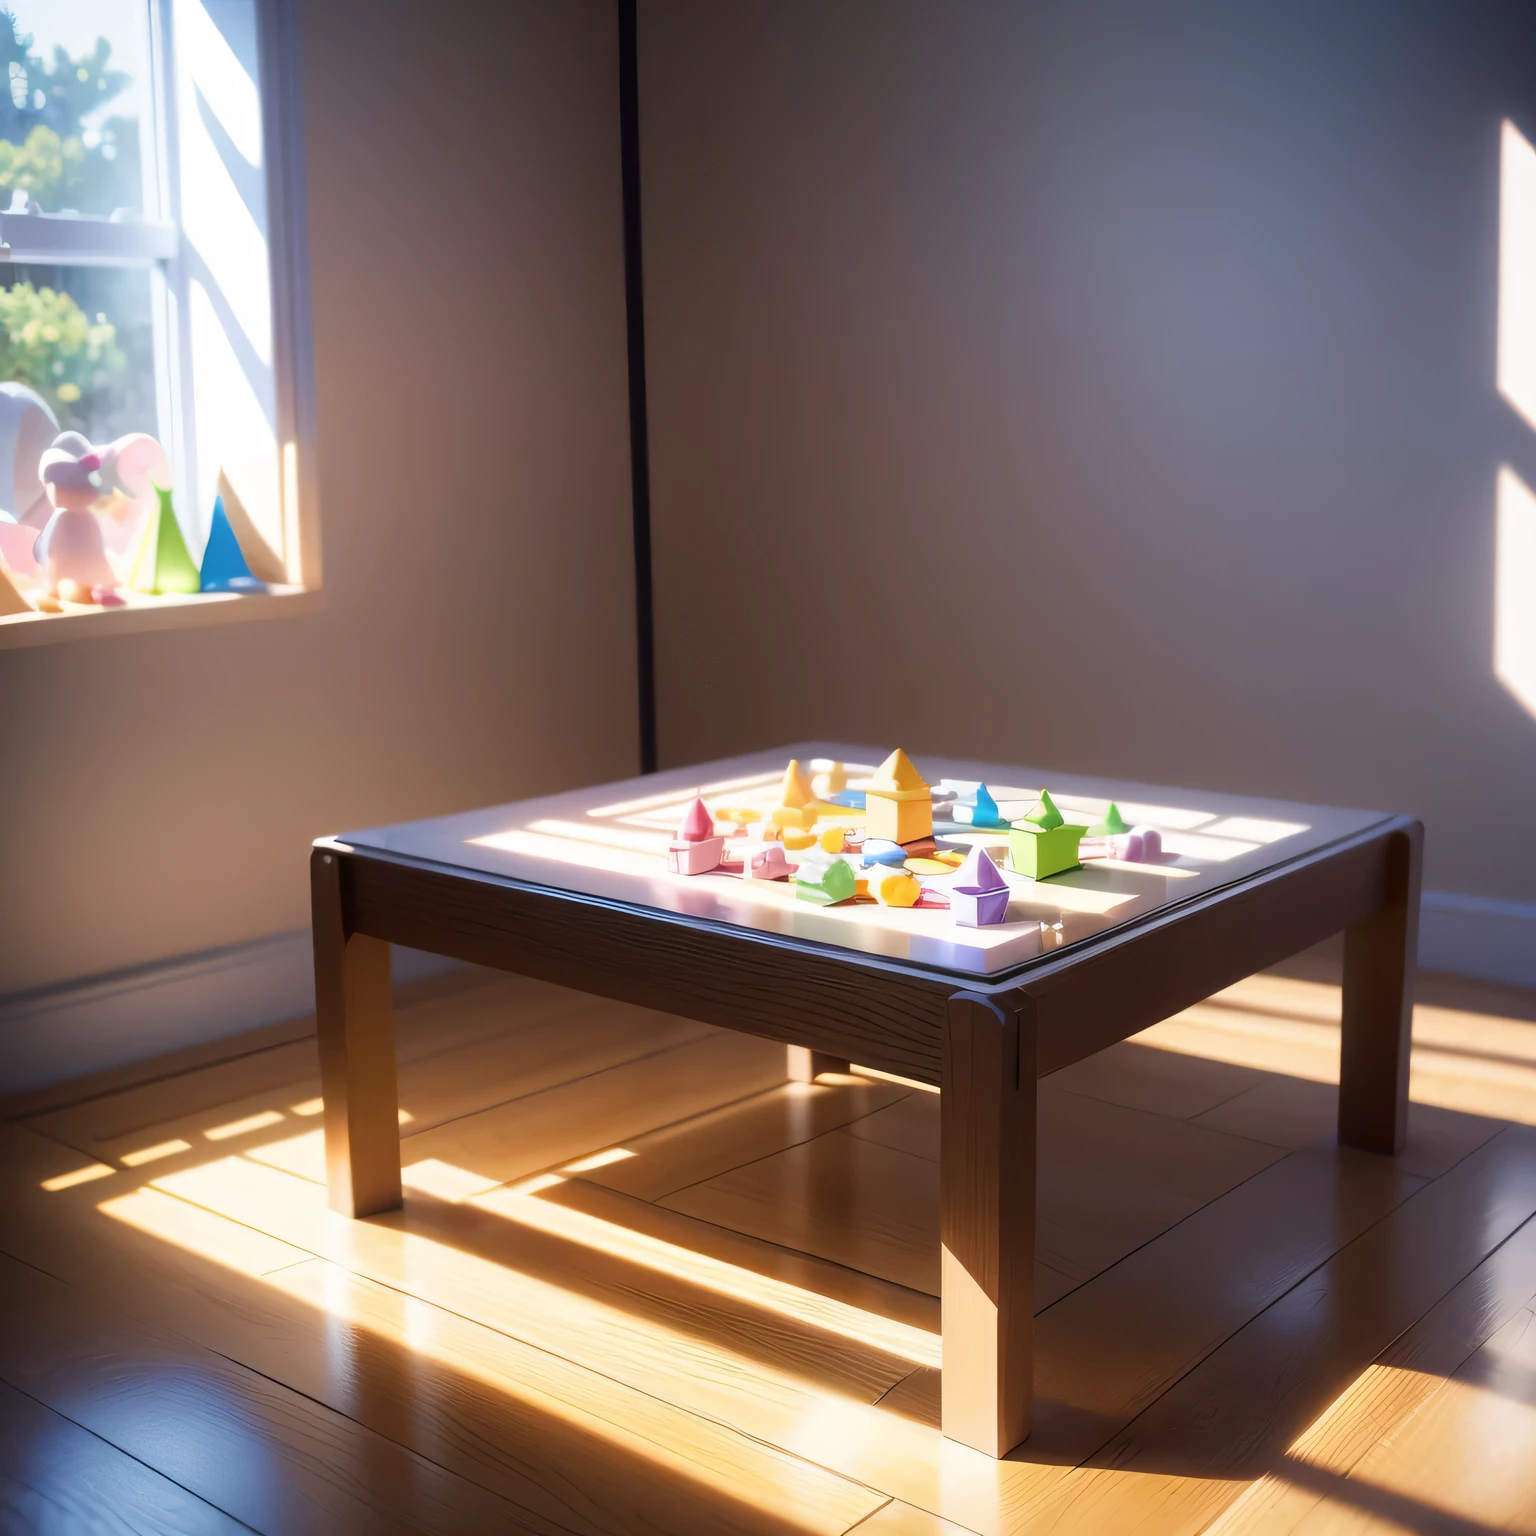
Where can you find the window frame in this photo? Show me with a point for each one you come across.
(159, 244)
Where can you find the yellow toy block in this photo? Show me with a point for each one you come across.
(898, 805)
(796, 789)
(892, 887)
(793, 839)
(832, 840)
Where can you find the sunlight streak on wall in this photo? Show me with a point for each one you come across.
(1514, 604)
(1517, 272)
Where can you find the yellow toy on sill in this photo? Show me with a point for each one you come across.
(898, 804)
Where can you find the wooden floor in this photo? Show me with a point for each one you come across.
(642, 1285)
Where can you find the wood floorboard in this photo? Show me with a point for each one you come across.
(814, 1275)
(1313, 1342)
(57, 1477)
(157, 1073)
(579, 1450)
(899, 1519)
(1371, 1412)
(710, 1144)
(238, 1440)
(1293, 1112)
(1110, 1179)
(457, 1055)
(734, 1327)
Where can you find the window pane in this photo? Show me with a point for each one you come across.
(75, 91)
(82, 338)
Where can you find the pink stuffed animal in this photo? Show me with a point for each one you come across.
(98, 496)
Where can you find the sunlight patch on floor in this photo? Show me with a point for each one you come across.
(700, 1269)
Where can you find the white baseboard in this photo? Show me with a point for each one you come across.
(58, 1033)
(1478, 936)
(88, 1026)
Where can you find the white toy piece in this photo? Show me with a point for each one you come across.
(1141, 845)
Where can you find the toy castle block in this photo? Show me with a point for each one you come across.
(1044, 843)
(797, 801)
(898, 805)
(982, 812)
(979, 898)
(696, 850)
(825, 878)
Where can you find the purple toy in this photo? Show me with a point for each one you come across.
(979, 897)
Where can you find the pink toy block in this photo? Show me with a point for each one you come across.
(769, 863)
(697, 825)
(695, 858)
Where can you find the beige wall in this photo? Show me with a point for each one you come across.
(1107, 386)
(476, 637)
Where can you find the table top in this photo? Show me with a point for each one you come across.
(611, 842)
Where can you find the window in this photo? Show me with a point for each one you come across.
(153, 282)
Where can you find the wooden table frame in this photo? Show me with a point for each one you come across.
(983, 1044)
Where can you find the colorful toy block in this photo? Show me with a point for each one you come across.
(797, 801)
(767, 863)
(11, 599)
(898, 804)
(265, 563)
(1044, 843)
(163, 563)
(891, 887)
(224, 564)
(696, 850)
(1112, 825)
(979, 898)
(824, 878)
(828, 778)
(982, 812)
(1142, 845)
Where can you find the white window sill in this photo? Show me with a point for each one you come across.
(192, 611)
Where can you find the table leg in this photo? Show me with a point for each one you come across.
(987, 1219)
(354, 1013)
(802, 1063)
(1379, 959)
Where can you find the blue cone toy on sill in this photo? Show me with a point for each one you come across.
(224, 567)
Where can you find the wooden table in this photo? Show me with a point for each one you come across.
(573, 889)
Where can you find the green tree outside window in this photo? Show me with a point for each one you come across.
(49, 152)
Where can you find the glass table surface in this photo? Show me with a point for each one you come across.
(611, 842)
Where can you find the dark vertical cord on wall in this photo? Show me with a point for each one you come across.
(639, 443)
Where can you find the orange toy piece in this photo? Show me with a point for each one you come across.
(833, 840)
(898, 805)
